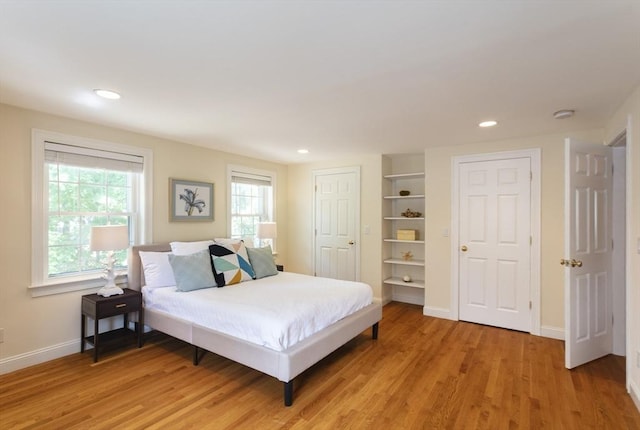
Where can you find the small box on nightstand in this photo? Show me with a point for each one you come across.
(406, 234)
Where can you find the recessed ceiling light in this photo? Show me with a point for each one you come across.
(488, 123)
(303, 151)
(107, 94)
(564, 113)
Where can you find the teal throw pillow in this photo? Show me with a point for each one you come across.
(192, 271)
(262, 261)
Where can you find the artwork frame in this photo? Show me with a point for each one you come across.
(190, 200)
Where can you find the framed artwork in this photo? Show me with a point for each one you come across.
(190, 200)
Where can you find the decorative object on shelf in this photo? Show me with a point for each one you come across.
(406, 235)
(406, 278)
(411, 214)
(404, 193)
(407, 256)
(109, 238)
(190, 200)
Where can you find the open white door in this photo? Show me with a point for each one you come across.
(587, 259)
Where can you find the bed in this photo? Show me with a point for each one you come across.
(283, 363)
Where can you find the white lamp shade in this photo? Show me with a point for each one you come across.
(109, 237)
(267, 230)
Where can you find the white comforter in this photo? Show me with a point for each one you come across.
(275, 312)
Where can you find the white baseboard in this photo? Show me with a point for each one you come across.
(634, 392)
(431, 311)
(38, 356)
(407, 298)
(552, 332)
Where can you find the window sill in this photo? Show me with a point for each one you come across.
(90, 284)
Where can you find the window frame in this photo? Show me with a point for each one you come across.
(41, 284)
(238, 170)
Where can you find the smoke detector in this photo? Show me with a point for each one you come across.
(564, 113)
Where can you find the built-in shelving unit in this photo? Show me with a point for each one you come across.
(403, 173)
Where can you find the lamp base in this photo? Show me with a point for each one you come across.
(107, 291)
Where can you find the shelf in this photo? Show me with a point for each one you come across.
(398, 281)
(117, 337)
(403, 241)
(409, 197)
(405, 175)
(398, 218)
(404, 262)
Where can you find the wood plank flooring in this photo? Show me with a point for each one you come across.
(422, 373)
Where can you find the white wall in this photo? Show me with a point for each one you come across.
(628, 117)
(37, 329)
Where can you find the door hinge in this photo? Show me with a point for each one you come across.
(315, 188)
(611, 243)
(530, 305)
(530, 240)
(612, 319)
(530, 176)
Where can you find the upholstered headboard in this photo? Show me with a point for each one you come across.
(135, 273)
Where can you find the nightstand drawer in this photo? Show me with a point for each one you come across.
(124, 304)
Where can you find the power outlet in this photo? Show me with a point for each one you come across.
(1, 335)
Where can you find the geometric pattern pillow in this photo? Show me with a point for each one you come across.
(230, 267)
(236, 245)
(262, 261)
(193, 271)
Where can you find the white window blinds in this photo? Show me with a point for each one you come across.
(92, 158)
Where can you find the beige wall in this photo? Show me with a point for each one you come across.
(628, 117)
(301, 203)
(438, 217)
(51, 323)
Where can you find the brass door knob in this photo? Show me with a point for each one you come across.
(463, 248)
(576, 263)
(351, 242)
(564, 262)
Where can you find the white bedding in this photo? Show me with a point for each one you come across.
(275, 312)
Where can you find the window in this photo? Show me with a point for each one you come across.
(79, 183)
(251, 201)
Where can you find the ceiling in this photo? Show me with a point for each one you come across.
(265, 78)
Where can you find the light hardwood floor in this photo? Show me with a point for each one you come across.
(421, 373)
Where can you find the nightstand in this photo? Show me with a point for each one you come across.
(97, 307)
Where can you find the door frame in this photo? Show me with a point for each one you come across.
(534, 295)
(335, 171)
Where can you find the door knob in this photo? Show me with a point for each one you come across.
(351, 242)
(463, 248)
(573, 262)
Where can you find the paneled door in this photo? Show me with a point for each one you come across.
(495, 242)
(337, 221)
(587, 253)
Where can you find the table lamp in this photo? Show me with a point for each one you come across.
(267, 230)
(109, 238)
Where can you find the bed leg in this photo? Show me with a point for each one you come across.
(374, 331)
(196, 359)
(288, 393)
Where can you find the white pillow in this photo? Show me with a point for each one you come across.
(157, 269)
(187, 248)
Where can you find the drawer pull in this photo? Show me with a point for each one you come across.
(121, 305)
